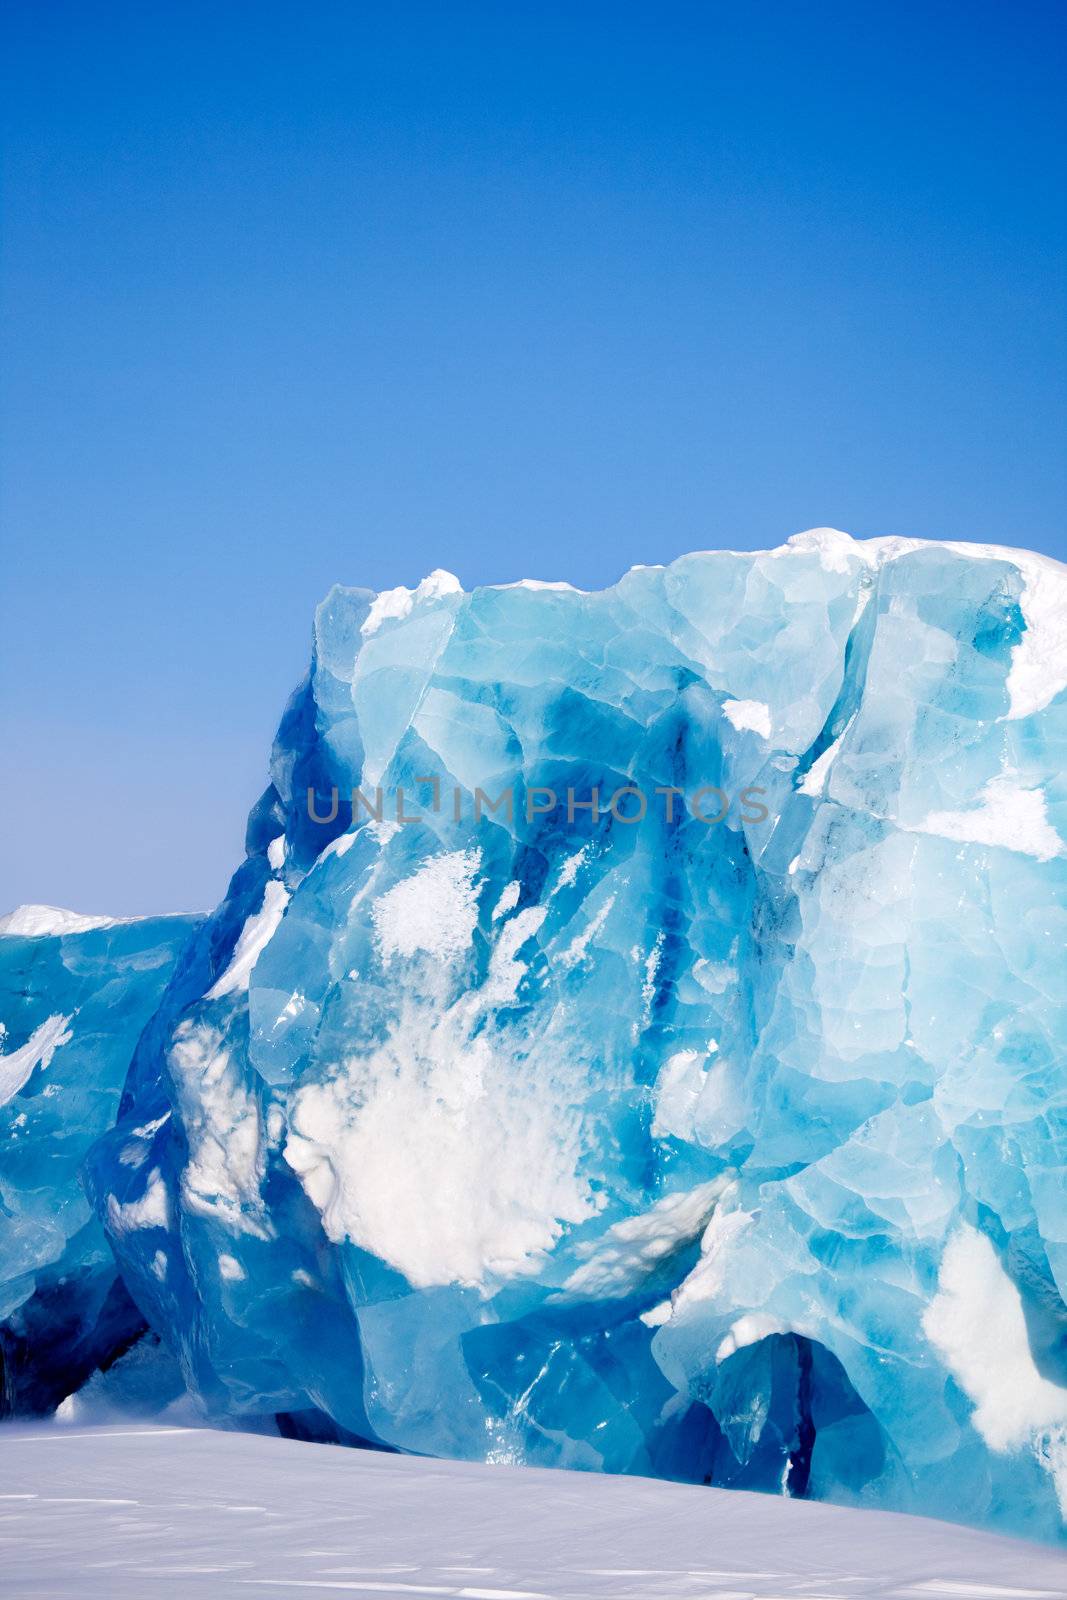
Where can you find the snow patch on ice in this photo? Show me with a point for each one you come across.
(509, 899)
(254, 937)
(540, 583)
(487, 1178)
(568, 872)
(708, 1279)
(18, 1067)
(223, 1174)
(42, 922)
(749, 1329)
(395, 604)
(814, 780)
(435, 911)
(753, 715)
(490, 1142)
(977, 1322)
(38, 922)
(835, 549)
(578, 946)
(338, 847)
(1008, 816)
(152, 1210)
(620, 1261)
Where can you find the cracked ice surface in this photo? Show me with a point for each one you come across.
(732, 1152)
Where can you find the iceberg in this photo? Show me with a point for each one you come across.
(635, 1039)
(75, 994)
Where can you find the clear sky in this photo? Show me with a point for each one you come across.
(304, 293)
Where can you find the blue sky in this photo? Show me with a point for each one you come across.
(296, 294)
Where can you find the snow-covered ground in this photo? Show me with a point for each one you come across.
(131, 1511)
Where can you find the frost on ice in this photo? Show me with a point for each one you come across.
(730, 1153)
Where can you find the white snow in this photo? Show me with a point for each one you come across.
(147, 1129)
(435, 911)
(115, 1513)
(540, 583)
(749, 1329)
(276, 853)
(338, 847)
(623, 1258)
(395, 604)
(977, 1322)
(834, 548)
(506, 971)
(38, 922)
(1008, 816)
(487, 1174)
(751, 714)
(152, 1210)
(652, 964)
(490, 1136)
(709, 1278)
(254, 937)
(568, 872)
(575, 951)
(223, 1174)
(814, 780)
(509, 899)
(17, 1068)
(41, 922)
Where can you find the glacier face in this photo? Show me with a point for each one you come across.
(482, 1124)
(75, 993)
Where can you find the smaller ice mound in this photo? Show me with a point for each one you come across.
(75, 994)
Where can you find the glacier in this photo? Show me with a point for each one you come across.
(634, 1040)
